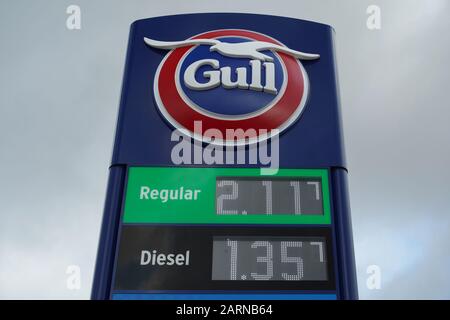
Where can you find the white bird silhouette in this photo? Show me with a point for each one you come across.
(235, 50)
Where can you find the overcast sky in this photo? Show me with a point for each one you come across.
(59, 94)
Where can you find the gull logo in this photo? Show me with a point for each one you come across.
(249, 50)
(230, 80)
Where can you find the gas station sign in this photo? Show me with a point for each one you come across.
(197, 206)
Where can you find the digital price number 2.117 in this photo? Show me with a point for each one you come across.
(248, 196)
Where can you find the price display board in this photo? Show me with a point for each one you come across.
(192, 212)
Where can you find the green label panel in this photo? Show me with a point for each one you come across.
(188, 195)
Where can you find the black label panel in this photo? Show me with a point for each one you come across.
(157, 257)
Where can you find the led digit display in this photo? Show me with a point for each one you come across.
(269, 259)
(250, 196)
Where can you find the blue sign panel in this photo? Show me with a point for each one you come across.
(228, 177)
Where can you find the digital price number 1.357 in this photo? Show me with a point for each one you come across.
(269, 259)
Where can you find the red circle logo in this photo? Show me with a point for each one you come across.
(230, 81)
